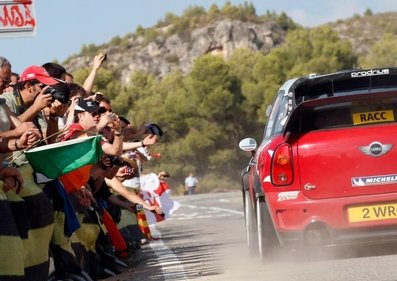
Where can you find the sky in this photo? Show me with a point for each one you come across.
(63, 26)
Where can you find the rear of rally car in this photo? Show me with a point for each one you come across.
(334, 179)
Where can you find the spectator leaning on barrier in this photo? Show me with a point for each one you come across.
(36, 222)
(115, 183)
(12, 265)
(86, 120)
(77, 182)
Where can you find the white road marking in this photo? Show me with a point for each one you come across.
(166, 258)
(171, 266)
(214, 209)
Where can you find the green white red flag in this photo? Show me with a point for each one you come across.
(54, 160)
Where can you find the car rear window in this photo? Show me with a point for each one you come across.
(344, 85)
(346, 115)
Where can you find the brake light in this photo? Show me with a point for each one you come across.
(282, 170)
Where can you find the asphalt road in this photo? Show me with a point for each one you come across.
(205, 240)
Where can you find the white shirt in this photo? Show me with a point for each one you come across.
(191, 181)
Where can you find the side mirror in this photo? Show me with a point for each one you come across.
(248, 144)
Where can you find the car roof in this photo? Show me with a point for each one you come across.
(341, 83)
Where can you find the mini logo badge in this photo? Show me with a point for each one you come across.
(376, 149)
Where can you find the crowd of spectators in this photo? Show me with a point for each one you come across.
(74, 219)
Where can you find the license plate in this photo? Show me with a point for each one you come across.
(373, 117)
(372, 213)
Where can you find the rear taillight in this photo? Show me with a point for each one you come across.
(282, 170)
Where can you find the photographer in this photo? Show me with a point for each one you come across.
(39, 98)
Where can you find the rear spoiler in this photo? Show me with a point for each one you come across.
(311, 104)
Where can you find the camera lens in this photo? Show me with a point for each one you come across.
(116, 161)
(61, 96)
(59, 92)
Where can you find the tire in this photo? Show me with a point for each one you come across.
(267, 238)
(250, 225)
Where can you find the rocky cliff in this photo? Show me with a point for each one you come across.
(176, 52)
(165, 52)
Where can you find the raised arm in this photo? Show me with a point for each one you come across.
(89, 81)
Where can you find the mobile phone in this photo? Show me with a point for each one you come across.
(112, 117)
(98, 97)
(128, 170)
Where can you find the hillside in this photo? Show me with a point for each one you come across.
(364, 31)
(165, 48)
(175, 42)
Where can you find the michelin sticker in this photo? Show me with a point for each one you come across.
(374, 180)
(288, 195)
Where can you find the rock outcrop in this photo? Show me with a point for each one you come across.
(167, 53)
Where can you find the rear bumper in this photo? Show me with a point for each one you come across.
(326, 221)
(342, 237)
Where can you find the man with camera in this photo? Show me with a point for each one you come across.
(39, 98)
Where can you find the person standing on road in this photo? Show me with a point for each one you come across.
(191, 183)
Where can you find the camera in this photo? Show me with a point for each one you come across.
(116, 161)
(112, 117)
(128, 170)
(98, 97)
(59, 92)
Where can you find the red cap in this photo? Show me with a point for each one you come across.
(38, 73)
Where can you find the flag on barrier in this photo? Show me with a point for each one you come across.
(152, 191)
(53, 160)
(143, 224)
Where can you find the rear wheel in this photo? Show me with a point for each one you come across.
(250, 224)
(267, 237)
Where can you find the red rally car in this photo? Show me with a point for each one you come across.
(325, 172)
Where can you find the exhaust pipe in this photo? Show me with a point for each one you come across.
(316, 234)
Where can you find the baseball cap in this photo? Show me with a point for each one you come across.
(87, 105)
(154, 129)
(37, 73)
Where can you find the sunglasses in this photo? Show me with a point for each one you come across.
(102, 110)
(94, 114)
